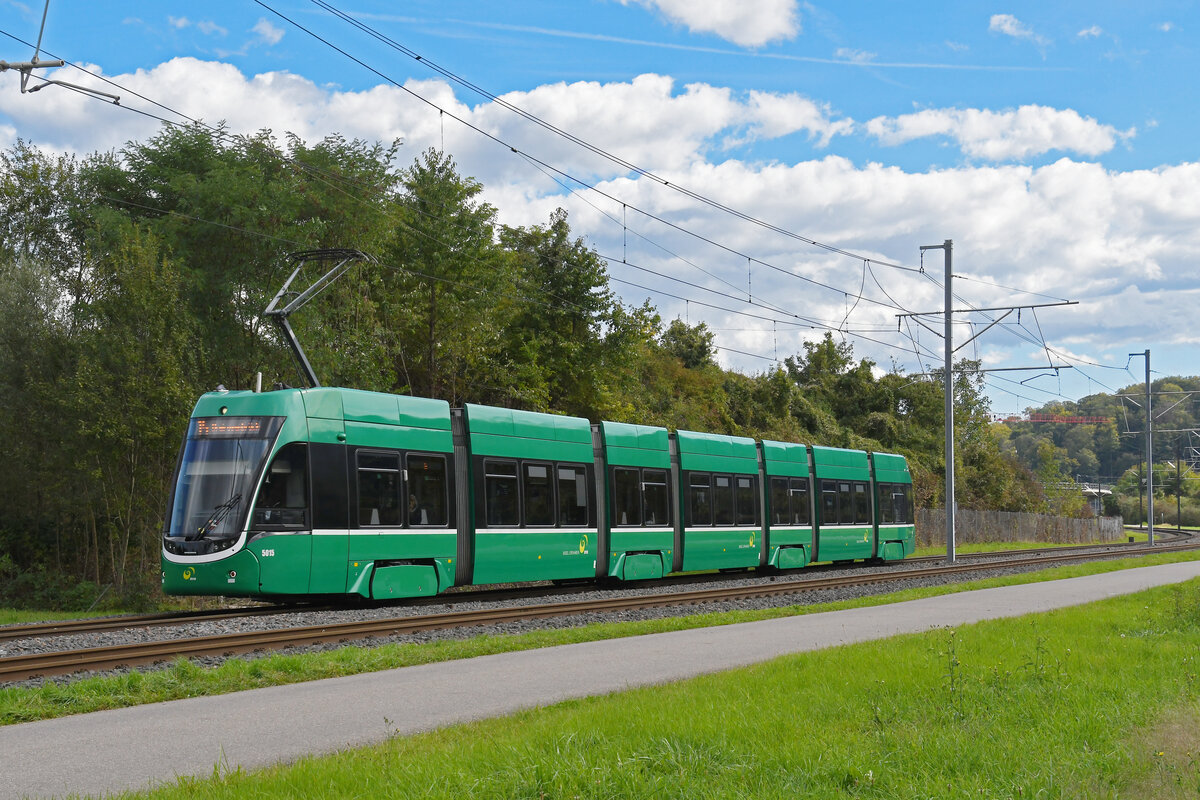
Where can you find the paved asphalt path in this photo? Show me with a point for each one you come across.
(136, 748)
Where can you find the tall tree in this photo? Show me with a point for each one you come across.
(453, 287)
(571, 329)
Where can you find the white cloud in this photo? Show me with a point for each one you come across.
(1123, 243)
(268, 33)
(1003, 135)
(857, 56)
(1166, 27)
(1009, 25)
(749, 23)
(206, 27)
(1090, 33)
(774, 115)
(957, 47)
(647, 120)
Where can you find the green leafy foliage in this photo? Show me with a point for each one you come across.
(1113, 451)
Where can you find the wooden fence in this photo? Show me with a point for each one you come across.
(975, 527)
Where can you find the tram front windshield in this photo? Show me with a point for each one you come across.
(218, 471)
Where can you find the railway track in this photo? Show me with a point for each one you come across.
(24, 667)
(134, 621)
(128, 621)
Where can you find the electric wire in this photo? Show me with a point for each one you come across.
(545, 166)
(327, 177)
(596, 189)
(509, 296)
(807, 321)
(623, 163)
(223, 135)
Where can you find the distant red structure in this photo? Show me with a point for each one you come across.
(1058, 418)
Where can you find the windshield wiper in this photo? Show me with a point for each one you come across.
(214, 519)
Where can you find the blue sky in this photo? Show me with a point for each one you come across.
(1054, 143)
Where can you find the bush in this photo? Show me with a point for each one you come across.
(42, 590)
(1164, 510)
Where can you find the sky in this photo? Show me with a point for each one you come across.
(771, 168)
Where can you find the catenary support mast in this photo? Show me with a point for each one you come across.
(948, 372)
(948, 377)
(1149, 459)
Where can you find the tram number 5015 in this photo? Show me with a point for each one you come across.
(268, 553)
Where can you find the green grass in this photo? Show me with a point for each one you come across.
(185, 679)
(14, 616)
(991, 547)
(1096, 701)
(1002, 547)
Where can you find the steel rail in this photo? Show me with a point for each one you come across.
(23, 667)
(132, 621)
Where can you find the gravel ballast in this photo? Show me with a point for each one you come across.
(466, 601)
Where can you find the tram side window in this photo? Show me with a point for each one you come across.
(887, 503)
(657, 499)
(799, 496)
(845, 503)
(781, 514)
(427, 490)
(539, 495)
(862, 504)
(627, 497)
(829, 503)
(572, 496)
(283, 498)
(379, 484)
(902, 496)
(500, 493)
(722, 500)
(700, 498)
(747, 501)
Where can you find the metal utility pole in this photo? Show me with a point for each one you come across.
(1141, 480)
(948, 372)
(1149, 452)
(1179, 484)
(948, 247)
(1149, 458)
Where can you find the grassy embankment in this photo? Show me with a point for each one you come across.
(185, 679)
(1099, 701)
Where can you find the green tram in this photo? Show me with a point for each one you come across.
(324, 491)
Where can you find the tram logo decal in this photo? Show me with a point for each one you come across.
(189, 574)
(583, 543)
